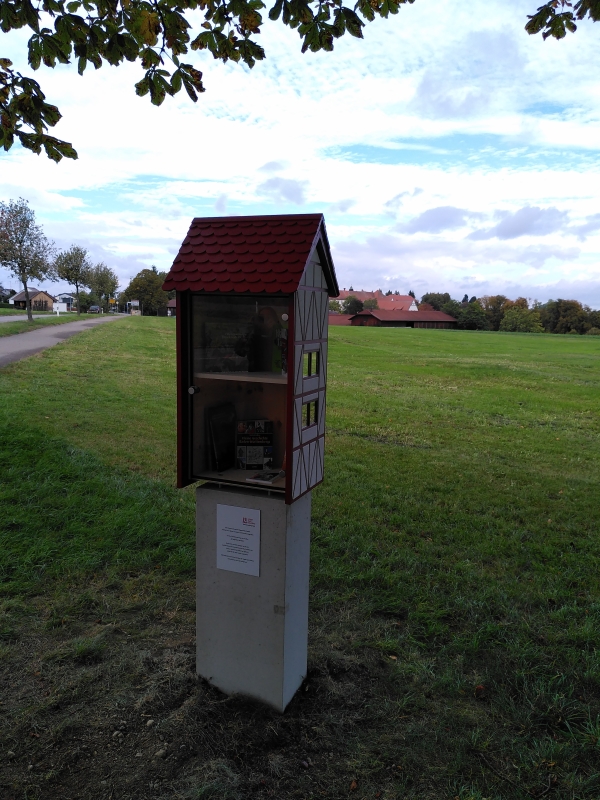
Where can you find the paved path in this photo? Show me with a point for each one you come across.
(22, 345)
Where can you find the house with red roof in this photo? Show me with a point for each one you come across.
(387, 302)
(339, 319)
(382, 318)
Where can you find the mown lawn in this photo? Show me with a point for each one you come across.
(11, 312)
(455, 613)
(23, 326)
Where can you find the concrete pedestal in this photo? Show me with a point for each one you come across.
(252, 631)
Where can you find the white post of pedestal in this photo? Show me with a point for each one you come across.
(252, 571)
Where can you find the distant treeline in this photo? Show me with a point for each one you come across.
(498, 313)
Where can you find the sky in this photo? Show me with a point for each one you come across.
(448, 151)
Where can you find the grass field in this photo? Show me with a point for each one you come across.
(455, 611)
(11, 312)
(23, 326)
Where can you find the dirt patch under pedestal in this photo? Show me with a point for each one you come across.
(100, 699)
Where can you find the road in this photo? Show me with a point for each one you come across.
(22, 345)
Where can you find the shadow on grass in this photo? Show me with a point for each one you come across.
(65, 515)
(431, 673)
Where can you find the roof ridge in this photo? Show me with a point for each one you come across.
(251, 254)
(237, 218)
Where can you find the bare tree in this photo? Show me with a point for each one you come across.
(74, 267)
(24, 249)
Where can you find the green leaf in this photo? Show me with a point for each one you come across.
(142, 87)
(176, 82)
(275, 12)
(353, 23)
(35, 53)
(57, 149)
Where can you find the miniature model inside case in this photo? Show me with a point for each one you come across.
(240, 355)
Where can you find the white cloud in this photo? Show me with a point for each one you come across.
(440, 117)
(436, 220)
(526, 221)
(283, 190)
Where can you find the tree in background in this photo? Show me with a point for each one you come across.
(555, 316)
(411, 294)
(520, 302)
(74, 267)
(87, 299)
(436, 299)
(147, 288)
(103, 282)
(521, 320)
(352, 305)
(452, 307)
(494, 308)
(24, 249)
(593, 317)
(564, 316)
(335, 305)
(370, 303)
(472, 317)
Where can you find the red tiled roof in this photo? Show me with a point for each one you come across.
(395, 303)
(387, 302)
(340, 319)
(250, 254)
(407, 316)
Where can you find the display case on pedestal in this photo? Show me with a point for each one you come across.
(252, 310)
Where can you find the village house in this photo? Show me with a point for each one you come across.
(393, 311)
(386, 302)
(68, 299)
(403, 319)
(40, 300)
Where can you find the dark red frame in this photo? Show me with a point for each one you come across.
(185, 476)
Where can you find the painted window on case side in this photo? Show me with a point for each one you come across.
(309, 413)
(311, 364)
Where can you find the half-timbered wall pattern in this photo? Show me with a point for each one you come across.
(310, 336)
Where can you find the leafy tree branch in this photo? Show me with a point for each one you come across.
(557, 17)
(156, 33)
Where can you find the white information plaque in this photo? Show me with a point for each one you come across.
(238, 539)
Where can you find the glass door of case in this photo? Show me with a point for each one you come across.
(239, 384)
